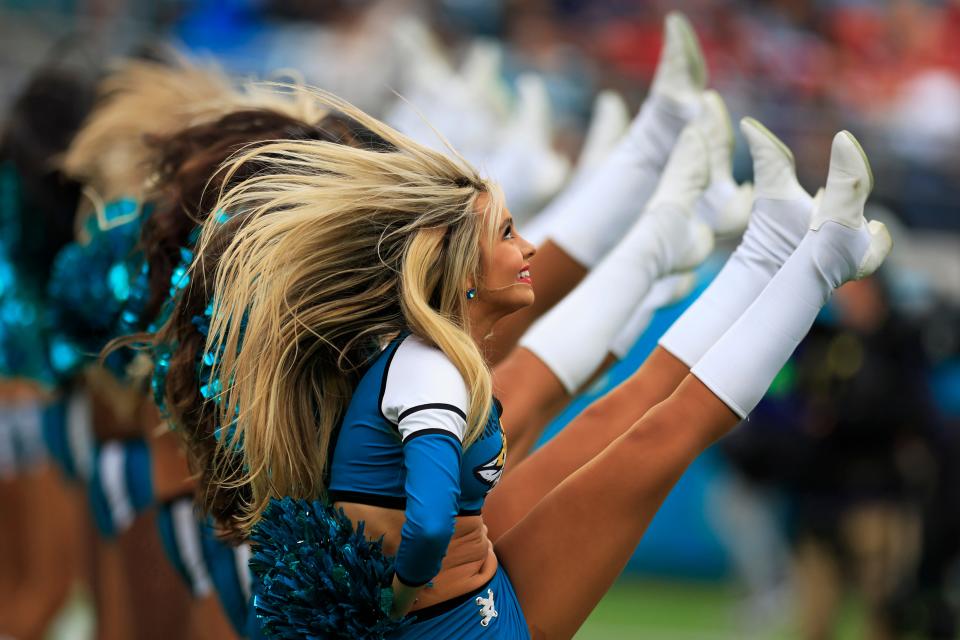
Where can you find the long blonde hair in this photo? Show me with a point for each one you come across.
(330, 251)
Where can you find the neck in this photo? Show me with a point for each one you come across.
(481, 325)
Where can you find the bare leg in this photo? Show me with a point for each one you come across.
(208, 621)
(160, 603)
(114, 615)
(819, 589)
(581, 441)
(532, 395)
(171, 473)
(49, 552)
(12, 570)
(610, 500)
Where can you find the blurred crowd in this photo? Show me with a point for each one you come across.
(848, 473)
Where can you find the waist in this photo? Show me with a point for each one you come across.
(469, 562)
(382, 500)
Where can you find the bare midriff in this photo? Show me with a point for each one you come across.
(468, 565)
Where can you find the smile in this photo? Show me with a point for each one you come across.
(524, 275)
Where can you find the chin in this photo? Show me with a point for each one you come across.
(521, 301)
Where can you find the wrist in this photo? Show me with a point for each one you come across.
(404, 597)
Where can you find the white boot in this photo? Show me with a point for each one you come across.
(687, 173)
(664, 292)
(618, 190)
(527, 167)
(667, 238)
(607, 126)
(779, 221)
(840, 246)
(849, 183)
(482, 71)
(681, 73)
(725, 205)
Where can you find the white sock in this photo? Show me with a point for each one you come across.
(780, 218)
(594, 213)
(664, 292)
(666, 238)
(840, 246)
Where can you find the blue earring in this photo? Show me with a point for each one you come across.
(471, 294)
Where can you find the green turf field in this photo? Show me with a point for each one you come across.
(688, 611)
(659, 610)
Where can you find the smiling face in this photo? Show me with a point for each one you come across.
(505, 285)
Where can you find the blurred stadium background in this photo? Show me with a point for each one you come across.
(837, 507)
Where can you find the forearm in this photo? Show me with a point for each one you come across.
(403, 598)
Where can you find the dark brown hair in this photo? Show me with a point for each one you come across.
(39, 127)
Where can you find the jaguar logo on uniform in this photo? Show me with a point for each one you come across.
(490, 471)
(488, 609)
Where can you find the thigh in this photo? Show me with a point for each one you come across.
(531, 396)
(580, 441)
(159, 601)
(565, 554)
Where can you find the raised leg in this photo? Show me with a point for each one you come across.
(564, 554)
(589, 218)
(778, 222)
(582, 440)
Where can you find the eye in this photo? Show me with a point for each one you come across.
(508, 232)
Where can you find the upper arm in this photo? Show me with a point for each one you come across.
(423, 392)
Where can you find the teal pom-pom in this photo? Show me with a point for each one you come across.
(318, 576)
(98, 290)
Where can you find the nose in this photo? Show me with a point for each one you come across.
(528, 249)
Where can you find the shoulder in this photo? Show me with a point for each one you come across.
(420, 378)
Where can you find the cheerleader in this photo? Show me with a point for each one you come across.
(345, 302)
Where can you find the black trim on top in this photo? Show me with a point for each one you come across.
(430, 432)
(372, 499)
(499, 406)
(432, 405)
(441, 608)
(386, 370)
(469, 512)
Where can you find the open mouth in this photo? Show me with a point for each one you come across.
(524, 275)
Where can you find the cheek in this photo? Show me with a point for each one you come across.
(509, 261)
